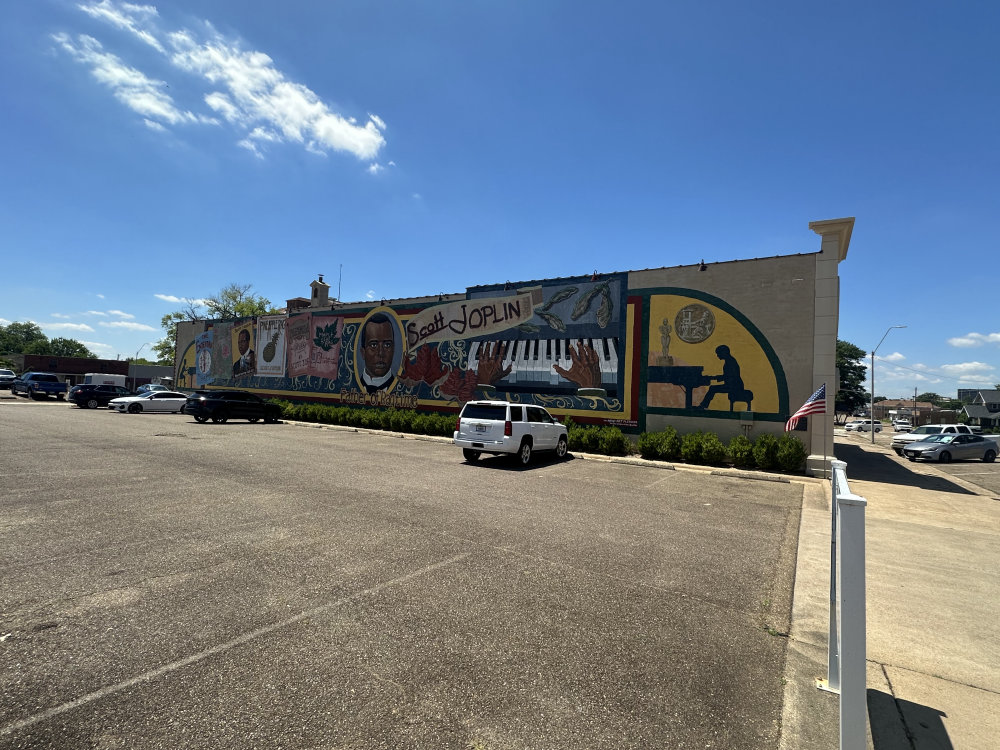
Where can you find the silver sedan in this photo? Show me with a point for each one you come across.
(945, 448)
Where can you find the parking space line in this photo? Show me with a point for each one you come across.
(220, 648)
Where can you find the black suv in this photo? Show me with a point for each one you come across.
(221, 406)
(92, 396)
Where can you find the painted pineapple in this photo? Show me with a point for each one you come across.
(271, 348)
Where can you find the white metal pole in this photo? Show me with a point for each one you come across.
(853, 640)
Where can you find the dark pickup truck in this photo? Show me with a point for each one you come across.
(39, 385)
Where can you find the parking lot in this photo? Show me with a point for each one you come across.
(984, 475)
(171, 584)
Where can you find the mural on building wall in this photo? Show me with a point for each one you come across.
(566, 343)
(703, 357)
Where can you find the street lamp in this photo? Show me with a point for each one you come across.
(872, 412)
(134, 359)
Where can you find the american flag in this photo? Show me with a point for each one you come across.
(815, 404)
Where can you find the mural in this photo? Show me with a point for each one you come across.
(705, 357)
(570, 344)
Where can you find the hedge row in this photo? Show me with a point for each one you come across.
(767, 452)
(397, 420)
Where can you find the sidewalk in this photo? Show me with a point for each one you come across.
(933, 611)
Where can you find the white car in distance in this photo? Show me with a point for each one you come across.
(155, 401)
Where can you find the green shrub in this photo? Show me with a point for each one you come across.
(741, 452)
(691, 447)
(791, 454)
(612, 442)
(660, 446)
(649, 446)
(713, 452)
(765, 452)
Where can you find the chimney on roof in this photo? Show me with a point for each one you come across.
(320, 293)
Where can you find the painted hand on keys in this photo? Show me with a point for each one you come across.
(586, 368)
(490, 368)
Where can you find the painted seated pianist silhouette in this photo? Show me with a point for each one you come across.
(730, 382)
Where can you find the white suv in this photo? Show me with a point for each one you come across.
(502, 427)
(865, 425)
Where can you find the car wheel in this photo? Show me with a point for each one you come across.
(524, 453)
(221, 418)
(200, 419)
(945, 457)
(60, 396)
(990, 457)
(134, 408)
(470, 455)
(562, 447)
(92, 403)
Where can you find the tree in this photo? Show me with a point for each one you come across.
(15, 337)
(236, 301)
(232, 301)
(850, 362)
(933, 398)
(61, 347)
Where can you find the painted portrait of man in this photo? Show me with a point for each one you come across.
(379, 351)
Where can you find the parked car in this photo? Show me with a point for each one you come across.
(914, 436)
(93, 396)
(38, 385)
(951, 446)
(499, 427)
(221, 406)
(7, 378)
(864, 425)
(901, 425)
(150, 387)
(152, 401)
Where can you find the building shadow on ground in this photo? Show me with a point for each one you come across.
(868, 466)
(902, 725)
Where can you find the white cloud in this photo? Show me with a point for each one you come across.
(95, 312)
(127, 16)
(100, 296)
(894, 357)
(248, 91)
(967, 368)
(375, 168)
(67, 327)
(127, 324)
(181, 300)
(4, 322)
(121, 314)
(130, 86)
(61, 316)
(370, 294)
(97, 346)
(975, 339)
(254, 94)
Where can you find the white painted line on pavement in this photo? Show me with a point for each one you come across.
(222, 647)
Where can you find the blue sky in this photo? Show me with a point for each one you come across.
(155, 153)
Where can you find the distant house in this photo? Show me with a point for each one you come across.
(989, 399)
(918, 412)
(984, 409)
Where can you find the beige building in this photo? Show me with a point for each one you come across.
(729, 347)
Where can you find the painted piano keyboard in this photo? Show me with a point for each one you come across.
(531, 362)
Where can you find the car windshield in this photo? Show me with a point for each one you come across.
(926, 430)
(937, 439)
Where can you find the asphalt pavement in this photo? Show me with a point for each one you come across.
(323, 590)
